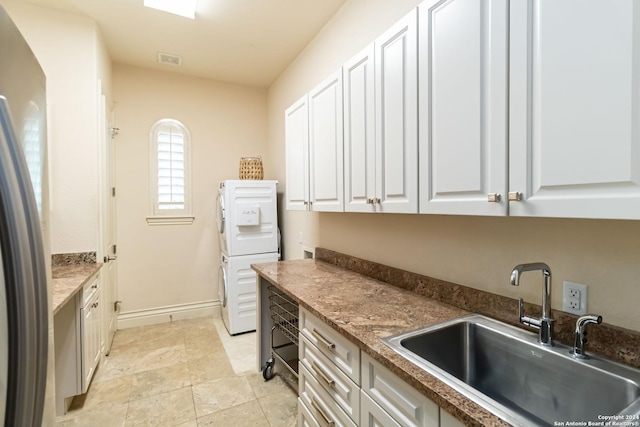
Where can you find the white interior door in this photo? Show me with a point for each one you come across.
(110, 269)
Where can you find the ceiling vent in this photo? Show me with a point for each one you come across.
(169, 59)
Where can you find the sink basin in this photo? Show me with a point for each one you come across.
(505, 370)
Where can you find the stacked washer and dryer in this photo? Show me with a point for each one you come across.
(247, 218)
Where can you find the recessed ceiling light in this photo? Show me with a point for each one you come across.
(186, 8)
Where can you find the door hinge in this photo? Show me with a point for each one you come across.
(113, 191)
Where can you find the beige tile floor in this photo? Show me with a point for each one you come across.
(186, 373)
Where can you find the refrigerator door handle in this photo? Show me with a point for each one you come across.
(25, 281)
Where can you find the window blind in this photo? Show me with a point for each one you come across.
(171, 168)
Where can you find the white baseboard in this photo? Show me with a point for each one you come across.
(152, 316)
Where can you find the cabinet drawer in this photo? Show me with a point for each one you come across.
(373, 415)
(342, 352)
(319, 408)
(305, 419)
(88, 290)
(404, 403)
(334, 382)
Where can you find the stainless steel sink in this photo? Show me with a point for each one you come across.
(505, 370)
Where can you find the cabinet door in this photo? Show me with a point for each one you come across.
(448, 420)
(372, 415)
(396, 80)
(404, 403)
(575, 108)
(90, 345)
(463, 107)
(297, 155)
(326, 145)
(359, 132)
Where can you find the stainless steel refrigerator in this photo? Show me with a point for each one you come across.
(24, 296)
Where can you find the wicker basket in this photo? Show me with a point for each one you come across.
(251, 168)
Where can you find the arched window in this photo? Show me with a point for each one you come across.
(170, 163)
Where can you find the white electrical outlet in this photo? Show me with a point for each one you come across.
(574, 298)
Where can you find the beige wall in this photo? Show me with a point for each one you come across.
(72, 55)
(161, 266)
(473, 251)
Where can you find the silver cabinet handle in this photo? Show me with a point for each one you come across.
(515, 196)
(322, 339)
(323, 375)
(328, 421)
(494, 197)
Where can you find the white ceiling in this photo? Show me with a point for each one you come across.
(247, 42)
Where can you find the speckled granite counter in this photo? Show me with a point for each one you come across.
(365, 310)
(69, 279)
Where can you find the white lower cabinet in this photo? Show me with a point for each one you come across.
(403, 403)
(77, 344)
(335, 390)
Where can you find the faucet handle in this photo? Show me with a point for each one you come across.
(527, 320)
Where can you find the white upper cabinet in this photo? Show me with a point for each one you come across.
(575, 108)
(359, 132)
(526, 108)
(297, 155)
(396, 89)
(463, 106)
(326, 146)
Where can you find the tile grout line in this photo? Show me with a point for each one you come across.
(130, 349)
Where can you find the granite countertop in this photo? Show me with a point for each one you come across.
(69, 279)
(365, 310)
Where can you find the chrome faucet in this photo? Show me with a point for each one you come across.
(580, 340)
(545, 323)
